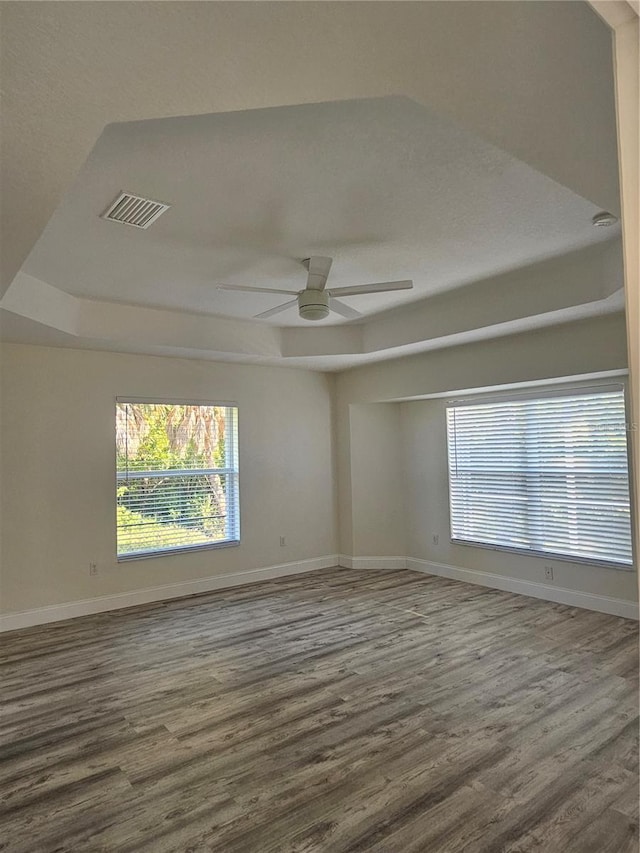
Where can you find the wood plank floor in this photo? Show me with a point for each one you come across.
(334, 711)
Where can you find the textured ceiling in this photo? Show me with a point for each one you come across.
(386, 187)
(533, 78)
(496, 158)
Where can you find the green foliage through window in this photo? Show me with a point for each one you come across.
(177, 476)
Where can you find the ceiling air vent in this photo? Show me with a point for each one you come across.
(135, 210)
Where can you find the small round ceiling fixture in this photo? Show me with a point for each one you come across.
(313, 304)
(604, 219)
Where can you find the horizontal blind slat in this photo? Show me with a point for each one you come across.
(177, 476)
(547, 475)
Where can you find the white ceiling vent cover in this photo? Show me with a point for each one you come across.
(135, 210)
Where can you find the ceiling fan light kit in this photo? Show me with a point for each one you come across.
(314, 302)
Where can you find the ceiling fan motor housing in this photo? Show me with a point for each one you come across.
(313, 304)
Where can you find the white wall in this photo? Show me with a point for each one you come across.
(308, 442)
(572, 349)
(377, 480)
(58, 457)
(563, 351)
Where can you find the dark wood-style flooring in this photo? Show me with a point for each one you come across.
(334, 711)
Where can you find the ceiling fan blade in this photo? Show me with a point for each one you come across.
(275, 310)
(318, 267)
(380, 287)
(249, 289)
(344, 310)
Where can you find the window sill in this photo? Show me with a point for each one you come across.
(545, 555)
(171, 552)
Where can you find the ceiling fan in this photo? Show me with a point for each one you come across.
(314, 302)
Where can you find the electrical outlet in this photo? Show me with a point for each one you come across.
(93, 568)
(548, 572)
(436, 538)
(283, 541)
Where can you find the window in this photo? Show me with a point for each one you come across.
(546, 475)
(177, 477)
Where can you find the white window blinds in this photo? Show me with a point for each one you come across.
(547, 475)
(177, 477)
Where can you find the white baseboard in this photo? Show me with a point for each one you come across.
(88, 606)
(560, 595)
(372, 562)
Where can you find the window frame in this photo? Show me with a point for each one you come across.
(544, 392)
(234, 481)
